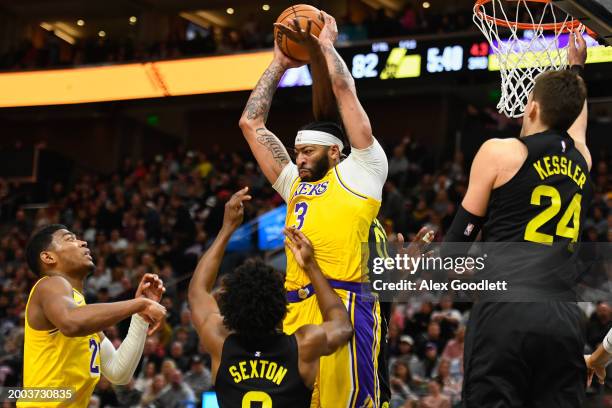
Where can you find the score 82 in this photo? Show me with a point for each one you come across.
(364, 66)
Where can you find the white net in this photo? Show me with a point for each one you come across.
(524, 38)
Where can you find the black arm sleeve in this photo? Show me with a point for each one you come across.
(464, 229)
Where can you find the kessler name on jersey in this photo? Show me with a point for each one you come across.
(263, 369)
(549, 166)
(308, 189)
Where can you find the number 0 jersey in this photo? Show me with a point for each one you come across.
(261, 373)
(543, 206)
(52, 360)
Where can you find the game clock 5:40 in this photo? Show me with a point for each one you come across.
(450, 58)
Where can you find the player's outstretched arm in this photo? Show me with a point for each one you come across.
(336, 330)
(204, 309)
(576, 56)
(354, 117)
(268, 150)
(54, 296)
(118, 365)
(324, 106)
(323, 99)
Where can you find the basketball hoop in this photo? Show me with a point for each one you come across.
(524, 38)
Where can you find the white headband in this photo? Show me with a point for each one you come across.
(317, 137)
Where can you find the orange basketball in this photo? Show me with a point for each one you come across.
(301, 12)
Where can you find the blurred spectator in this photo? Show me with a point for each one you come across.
(409, 18)
(176, 394)
(406, 354)
(453, 352)
(153, 391)
(401, 381)
(435, 399)
(186, 334)
(178, 356)
(451, 386)
(105, 392)
(198, 377)
(447, 317)
(430, 360)
(433, 336)
(128, 395)
(145, 379)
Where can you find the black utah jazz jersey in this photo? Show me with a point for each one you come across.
(543, 207)
(261, 373)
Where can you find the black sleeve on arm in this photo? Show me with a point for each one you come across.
(465, 227)
(461, 234)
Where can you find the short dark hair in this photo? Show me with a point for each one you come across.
(39, 242)
(328, 127)
(561, 95)
(253, 301)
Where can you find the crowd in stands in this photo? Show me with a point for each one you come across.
(159, 216)
(187, 39)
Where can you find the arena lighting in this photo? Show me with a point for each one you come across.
(59, 32)
(64, 36)
(133, 81)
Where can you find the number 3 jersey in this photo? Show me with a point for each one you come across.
(543, 207)
(261, 373)
(52, 360)
(335, 213)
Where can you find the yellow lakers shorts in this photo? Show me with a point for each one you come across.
(349, 377)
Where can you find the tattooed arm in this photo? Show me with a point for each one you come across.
(354, 118)
(323, 100)
(266, 147)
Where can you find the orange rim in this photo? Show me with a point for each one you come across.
(565, 27)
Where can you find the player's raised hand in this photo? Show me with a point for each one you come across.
(576, 49)
(154, 314)
(234, 209)
(418, 244)
(297, 33)
(284, 60)
(300, 246)
(151, 287)
(330, 29)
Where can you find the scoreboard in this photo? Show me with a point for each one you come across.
(426, 59)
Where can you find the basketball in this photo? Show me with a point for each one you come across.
(301, 12)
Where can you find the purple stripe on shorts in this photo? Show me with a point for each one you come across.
(364, 325)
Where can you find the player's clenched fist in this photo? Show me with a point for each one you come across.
(154, 314)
